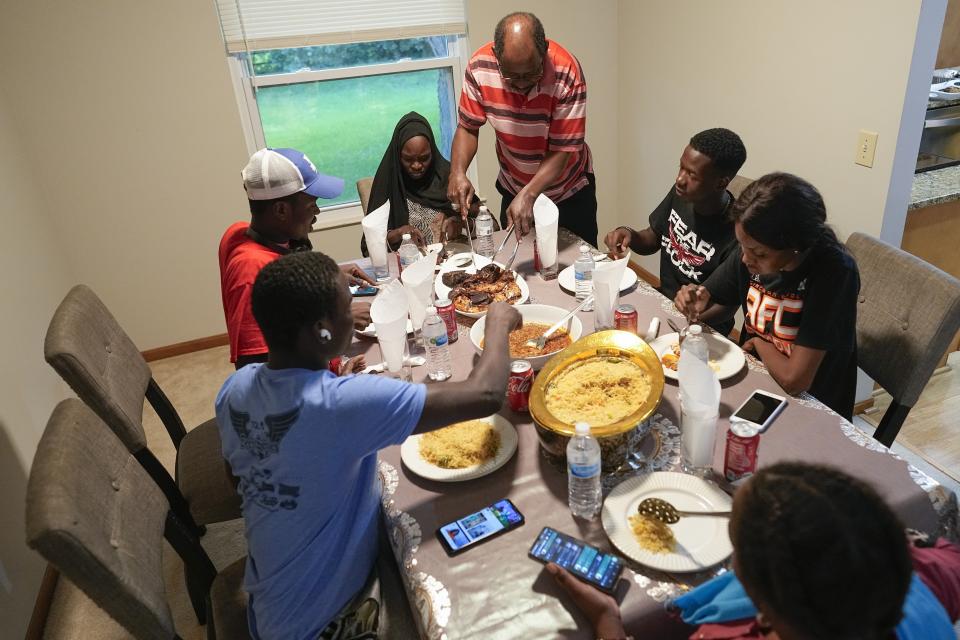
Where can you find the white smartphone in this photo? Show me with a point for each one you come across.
(760, 409)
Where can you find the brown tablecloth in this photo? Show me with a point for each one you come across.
(496, 591)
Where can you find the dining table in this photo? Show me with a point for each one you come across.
(494, 590)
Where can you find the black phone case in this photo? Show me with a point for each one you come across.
(613, 585)
(455, 552)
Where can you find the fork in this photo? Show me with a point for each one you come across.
(541, 342)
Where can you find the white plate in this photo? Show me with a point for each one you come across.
(370, 331)
(443, 291)
(568, 279)
(410, 454)
(726, 357)
(702, 542)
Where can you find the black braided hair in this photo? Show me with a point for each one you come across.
(724, 148)
(822, 551)
(539, 37)
(784, 211)
(293, 291)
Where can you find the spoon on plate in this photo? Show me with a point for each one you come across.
(665, 512)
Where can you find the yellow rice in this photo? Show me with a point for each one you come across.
(598, 391)
(652, 535)
(464, 444)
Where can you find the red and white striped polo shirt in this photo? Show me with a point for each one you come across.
(552, 116)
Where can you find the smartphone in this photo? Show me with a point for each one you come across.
(475, 528)
(760, 409)
(363, 291)
(588, 563)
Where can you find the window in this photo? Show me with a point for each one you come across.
(339, 101)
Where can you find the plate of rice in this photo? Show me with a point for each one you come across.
(693, 544)
(461, 451)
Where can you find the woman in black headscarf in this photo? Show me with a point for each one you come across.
(413, 176)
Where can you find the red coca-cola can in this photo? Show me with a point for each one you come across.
(334, 364)
(518, 386)
(625, 318)
(448, 312)
(536, 257)
(740, 458)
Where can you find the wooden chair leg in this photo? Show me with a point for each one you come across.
(198, 570)
(890, 424)
(178, 503)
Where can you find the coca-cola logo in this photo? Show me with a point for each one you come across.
(520, 384)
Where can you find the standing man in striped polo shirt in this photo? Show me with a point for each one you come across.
(533, 93)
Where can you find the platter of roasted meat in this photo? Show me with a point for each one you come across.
(472, 292)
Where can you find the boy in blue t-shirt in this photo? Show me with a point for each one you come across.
(303, 443)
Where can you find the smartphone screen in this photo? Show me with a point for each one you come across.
(486, 523)
(363, 291)
(587, 563)
(759, 408)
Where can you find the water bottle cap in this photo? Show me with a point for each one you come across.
(582, 429)
(483, 209)
(405, 236)
(694, 330)
(431, 310)
(584, 249)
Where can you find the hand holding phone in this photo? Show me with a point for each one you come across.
(760, 409)
(586, 562)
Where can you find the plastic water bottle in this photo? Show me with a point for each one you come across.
(484, 227)
(583, 271)
(694, 345)
(408, 253)
(583, 473)
(439, 365)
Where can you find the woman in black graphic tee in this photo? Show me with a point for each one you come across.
(797, 286)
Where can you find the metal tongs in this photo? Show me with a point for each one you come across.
(503, 244)
(541, 342)
(473, 254)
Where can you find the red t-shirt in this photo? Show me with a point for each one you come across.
(241, 259)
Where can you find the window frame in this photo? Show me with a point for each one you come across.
(245, 85)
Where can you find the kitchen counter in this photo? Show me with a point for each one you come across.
(935, 187)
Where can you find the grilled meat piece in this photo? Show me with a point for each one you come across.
(453, 278)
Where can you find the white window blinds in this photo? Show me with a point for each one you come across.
(279, 24)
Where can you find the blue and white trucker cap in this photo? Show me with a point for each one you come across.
(275, 173)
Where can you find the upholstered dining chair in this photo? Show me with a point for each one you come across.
(96, 516)
(738, 184)
(908, 313)
(90, 350)
(363, 189)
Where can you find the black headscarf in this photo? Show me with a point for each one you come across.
(392, 183)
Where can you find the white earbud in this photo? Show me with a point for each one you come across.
(325, 335)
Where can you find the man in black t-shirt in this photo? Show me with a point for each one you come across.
(690, 226)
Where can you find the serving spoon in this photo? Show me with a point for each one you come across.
(541, 342)
(666, 513)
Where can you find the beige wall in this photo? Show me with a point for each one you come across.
(130, 121)
(588, 31)
(34, 279)
(796, 80)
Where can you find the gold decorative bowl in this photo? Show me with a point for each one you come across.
(617, 439)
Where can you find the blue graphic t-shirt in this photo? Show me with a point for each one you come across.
(303, 445)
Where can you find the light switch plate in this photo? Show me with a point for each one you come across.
(866, 148)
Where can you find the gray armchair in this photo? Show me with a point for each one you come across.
(907, 315)
(96, 516)
(90, 350)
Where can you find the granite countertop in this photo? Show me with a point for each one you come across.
(935, 187)
(936, 103)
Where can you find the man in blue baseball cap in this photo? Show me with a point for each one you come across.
(282, 187)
